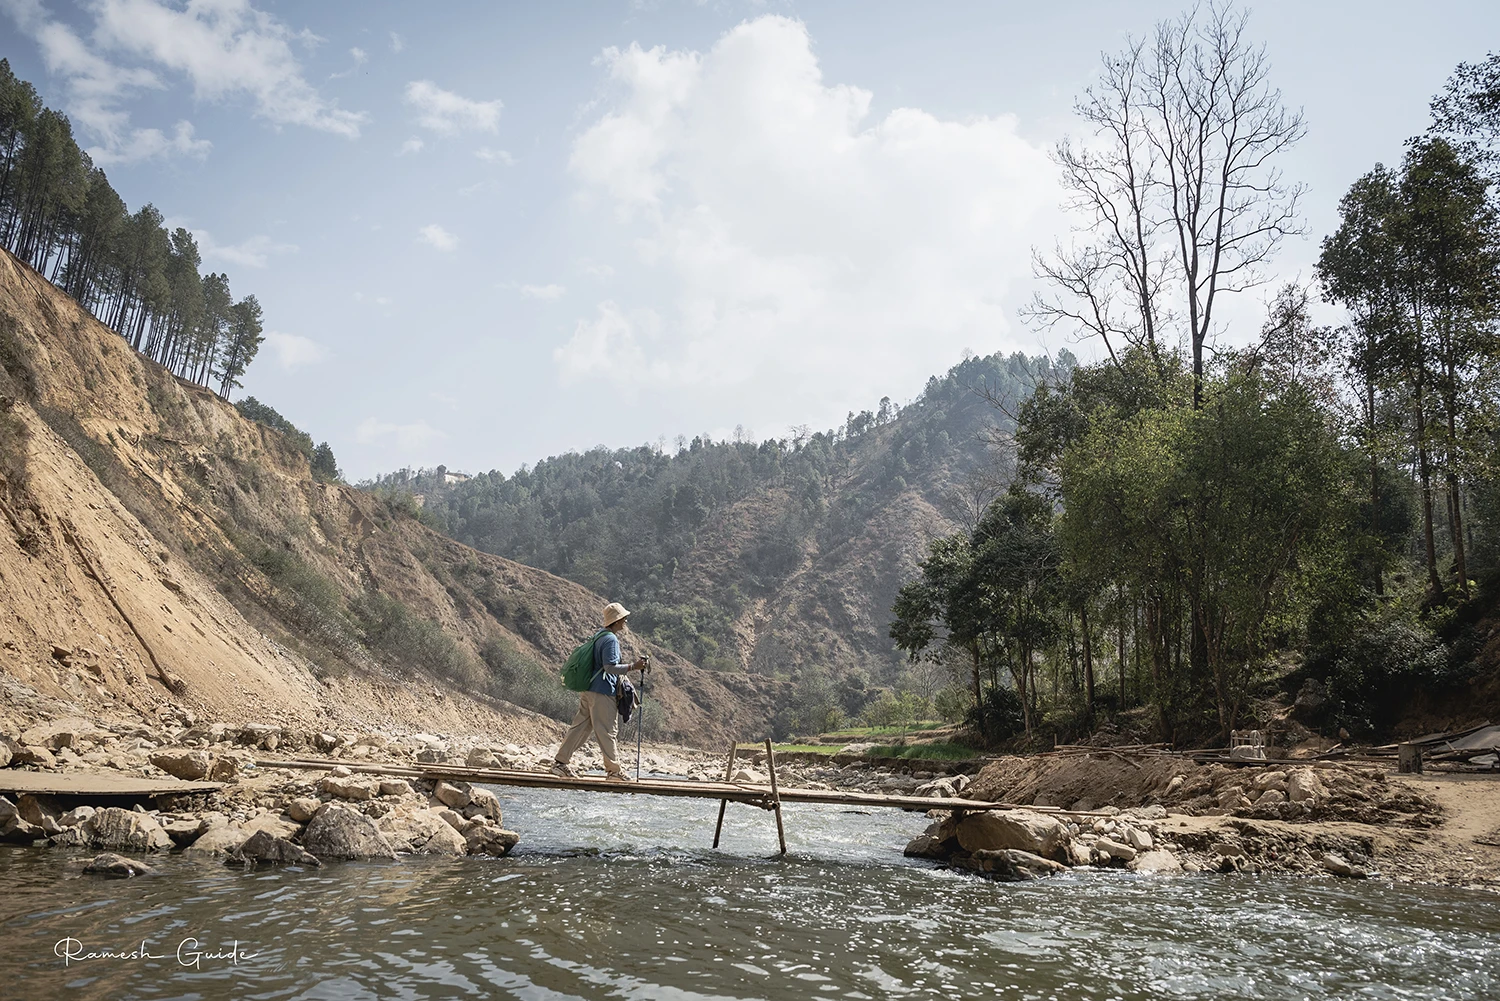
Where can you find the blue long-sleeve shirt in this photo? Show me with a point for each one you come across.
(607, 666)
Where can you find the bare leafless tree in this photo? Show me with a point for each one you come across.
(1176, 188)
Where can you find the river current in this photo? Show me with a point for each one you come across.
(620, 897)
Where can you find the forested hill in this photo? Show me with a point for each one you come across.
(778, 556)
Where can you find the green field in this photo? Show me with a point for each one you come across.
(942, 752)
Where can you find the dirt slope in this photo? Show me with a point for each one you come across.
(156, 548)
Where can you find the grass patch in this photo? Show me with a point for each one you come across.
(407, 641)
(940, 752)
(853, 732)
(793, 748)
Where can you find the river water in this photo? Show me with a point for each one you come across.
(620, 897)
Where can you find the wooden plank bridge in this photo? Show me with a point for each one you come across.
(726, 791)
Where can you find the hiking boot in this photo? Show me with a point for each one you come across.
(617, 777)
(562, 771)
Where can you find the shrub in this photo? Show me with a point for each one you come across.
(1001, 714)
(406, 641)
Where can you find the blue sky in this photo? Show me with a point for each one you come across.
(485, 233)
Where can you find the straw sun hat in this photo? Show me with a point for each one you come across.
(614, 612)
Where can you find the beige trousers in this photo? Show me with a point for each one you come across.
(597, 714)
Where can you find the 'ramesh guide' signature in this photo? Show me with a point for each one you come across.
(189, 953)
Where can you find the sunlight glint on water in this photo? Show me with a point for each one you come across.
(620, 897)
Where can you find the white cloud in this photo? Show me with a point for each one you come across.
(255, 252)
(436, 236)
(446, 113)
(609, 344)
(224, 47)
(412, 145)
(801, 243)
(542, 291)
(373, 431)
(359, 56)
(294, 351)
(397, 42)
(495, 156)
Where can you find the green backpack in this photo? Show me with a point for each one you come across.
(578, 672)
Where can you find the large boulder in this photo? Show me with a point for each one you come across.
(1023, 830)
(58, 734)
(422, 832)
(483, 803)
(350, 788)
(188, 765)
(485, 840)
(5, 753)
(303, 808)
(116, 866)
(15, 829)
(339, 832)
(453, 794)
(1304, 786)
(124, 830)
(262, 846)
(1157, 862)
(1012, 864)
(220, 838)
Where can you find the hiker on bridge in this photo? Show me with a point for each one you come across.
(597, 709)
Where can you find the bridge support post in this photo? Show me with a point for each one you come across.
(724, 803)
(775, 795)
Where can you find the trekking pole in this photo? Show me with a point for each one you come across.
(640, 721)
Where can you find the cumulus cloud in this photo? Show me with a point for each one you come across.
(803, 243)
(224, 48)
(446, 113)
(436, 236)
(373, 431)
(412, 145)
(293, 351)
(609, 343)
(542, 291)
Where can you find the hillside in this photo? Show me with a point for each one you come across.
(159, 549)
(775, 557)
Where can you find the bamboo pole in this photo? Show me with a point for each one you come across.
(775, 795)
(724, 803)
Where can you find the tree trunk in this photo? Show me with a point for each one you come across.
(1088, 667)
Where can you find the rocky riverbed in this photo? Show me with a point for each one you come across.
(1159, 814)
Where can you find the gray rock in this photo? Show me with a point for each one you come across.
(422, 832)
(1115, 850)
(76, 816)
(116, 866)
(482, 757)
(486, 802)
(5, 753)
(429, 756)
(1157, 862)
(1014, 864)
(456, 820)
(188, 765)
(30, 754)
(339, 832)
(925, 846)
(1138, 839)
(224, 769)
(303, 808)
(113, 827)
(1340, 866)
(220, 839)
(1269, 798)
(1024, 830)
(485, 840)
(262, 846)
(349, 788)
(396, 787)
(1303, 785)
(184, 832)
(453, 794)
(38, 810)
